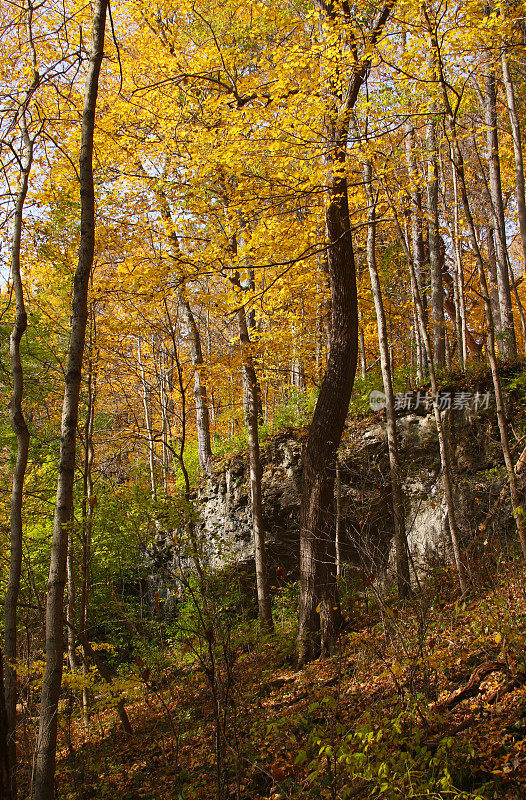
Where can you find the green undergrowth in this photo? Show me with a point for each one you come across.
(222, 711)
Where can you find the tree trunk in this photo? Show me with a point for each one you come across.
(418, 244)
(517, 149)
(319, 601)
(88, 507)
(147, 421)
(71, 600)
(493, 285)
(5, 777)
(400, 541)
(20, 429)
(435, 262)
(460, 276)
(444, 455)
(252, 417)
(204, 447)
(47, 735)
(507, 341)
(319, 605)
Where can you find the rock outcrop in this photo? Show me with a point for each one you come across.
(365, 502)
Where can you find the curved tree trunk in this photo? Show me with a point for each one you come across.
(45, 756)
(319, 605)
(20, 429)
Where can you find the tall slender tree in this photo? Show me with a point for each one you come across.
(43, 783)
(319, 602)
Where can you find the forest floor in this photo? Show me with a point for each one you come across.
(427, 700)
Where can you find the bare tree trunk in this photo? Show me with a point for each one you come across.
(517, 149)
(338, 526)
(319, 605)
(492, 271)
(71, 600)
(400, 541)
(47, 735)
(20, 429)
(88, 507)
(252, 408)
(418, 243)
(147, 420)
(5, 776)
(460, 277)
(204, 446)
(363, 358)
(444, 455)
(252, 417)
(507, 341)
(435, 262)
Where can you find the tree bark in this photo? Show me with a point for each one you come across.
(418, 243)
(147, 421)
(252, 418)
(5, 777)
(204, 446)
(460, 276)
(506, 340)
(435, 262)
(47, 735)
(493, 285)
(517, 150)
(21, 431)
(399, 537)
(319, 605)
(88, 507)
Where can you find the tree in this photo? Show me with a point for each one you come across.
(47, 734)
(319, 602)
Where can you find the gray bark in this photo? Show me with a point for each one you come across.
(147, 420)
(204, 446)
(252, 407)
(506, 339)
(21, 431)
(5, 771)
(517, 150)
(45, 756)
(459, 277)
(419, 258)
(252, 418)
(493, 285)
(400, 541)
(435, 262)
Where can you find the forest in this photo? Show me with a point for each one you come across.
(263, 399)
